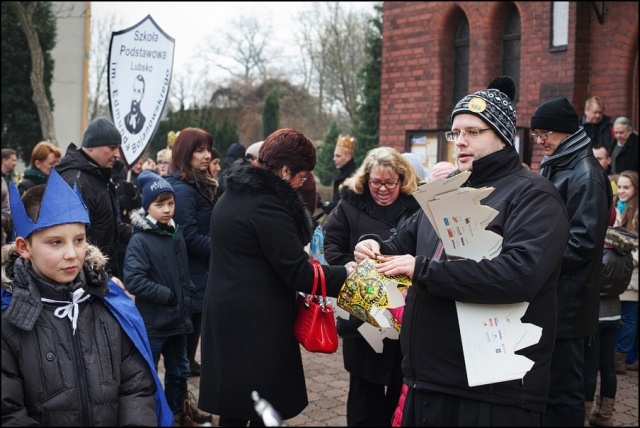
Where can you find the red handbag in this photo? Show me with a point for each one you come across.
(315, 326)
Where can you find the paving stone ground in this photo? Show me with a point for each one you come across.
(328, 383)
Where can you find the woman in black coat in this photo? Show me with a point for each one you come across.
(259, 228)
(376, 199)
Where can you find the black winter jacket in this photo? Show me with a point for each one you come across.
(156, 271)
(53, 377)
(98, 192)
(600, 134)
(343, 173)
(354, 216)
(586, 191)
(527, 270)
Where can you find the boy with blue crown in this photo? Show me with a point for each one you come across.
(74, 348)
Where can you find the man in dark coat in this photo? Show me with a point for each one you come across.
(343, 159)
(624, 150)
(526, 270)
(585, 188)
(90, 168)
(596, 124)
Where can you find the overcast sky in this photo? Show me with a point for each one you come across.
(190, 22)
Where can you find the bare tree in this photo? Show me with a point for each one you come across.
(334, 41)
(101, 29)
(24, 12)
(245, 51)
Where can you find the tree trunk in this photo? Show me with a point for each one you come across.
(25, 18)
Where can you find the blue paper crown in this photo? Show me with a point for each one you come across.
(60, 205)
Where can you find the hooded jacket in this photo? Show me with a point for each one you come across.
(526, 270)
(52, 376)
(586, 191)
(259, 228)
(98, 192)
(156, 271)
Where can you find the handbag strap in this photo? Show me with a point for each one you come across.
(323, 282)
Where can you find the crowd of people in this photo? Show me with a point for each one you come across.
(195, 250)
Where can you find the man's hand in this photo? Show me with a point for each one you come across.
(368, 248)
(395, 265)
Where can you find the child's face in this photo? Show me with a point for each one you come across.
(56, 253)
(162, 212)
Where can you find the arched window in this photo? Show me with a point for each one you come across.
(511, 48)
(461, 61)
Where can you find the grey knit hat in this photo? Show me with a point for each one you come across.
(101, 132)
(493, 106)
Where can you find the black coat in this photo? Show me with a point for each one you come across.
(156, 271)
(586, 191)
(527, 270)
(259, 228)
(98, 192)
(354, 216)
(343, 173)
(601, 134)
(627, 157)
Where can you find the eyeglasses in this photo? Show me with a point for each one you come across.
(471, 133)
(542, 136)
(388, 184)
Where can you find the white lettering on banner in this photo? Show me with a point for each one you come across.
(140, 69)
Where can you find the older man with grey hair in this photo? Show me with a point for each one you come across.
(624, 150)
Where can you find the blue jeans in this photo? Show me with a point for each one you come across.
(629, 332)
(176, 364)
(565, 406)
(598, 357)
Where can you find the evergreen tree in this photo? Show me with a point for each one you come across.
(367, 130)
(20, 121)
(226, 136)
(271, 113)
(325, 169)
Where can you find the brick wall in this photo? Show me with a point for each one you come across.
(417, 61)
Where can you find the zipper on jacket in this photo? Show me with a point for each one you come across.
(82, 382)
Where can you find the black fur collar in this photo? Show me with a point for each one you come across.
(251, 179)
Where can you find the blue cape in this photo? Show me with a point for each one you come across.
(125, 311)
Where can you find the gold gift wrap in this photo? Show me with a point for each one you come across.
(364, 293)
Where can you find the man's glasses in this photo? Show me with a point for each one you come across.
(471, 133)
(542, 136)
(388, 184)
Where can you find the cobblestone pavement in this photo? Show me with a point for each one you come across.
(328, 382)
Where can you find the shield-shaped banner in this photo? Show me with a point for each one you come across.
(140, 68)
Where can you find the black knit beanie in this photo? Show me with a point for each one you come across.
(101, 132)
(556, 115)
(493, 105)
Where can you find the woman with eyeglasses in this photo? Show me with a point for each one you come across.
(375, 199)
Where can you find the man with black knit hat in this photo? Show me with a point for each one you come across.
(90, 168)
(571, 166)
(526, 270)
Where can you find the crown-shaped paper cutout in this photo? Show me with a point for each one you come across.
(60, 205)
(346, 143)
(171, 137)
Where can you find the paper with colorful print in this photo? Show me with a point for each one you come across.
(366, 293)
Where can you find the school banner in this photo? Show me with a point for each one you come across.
(140, 67)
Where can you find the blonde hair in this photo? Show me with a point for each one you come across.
(387, 159)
